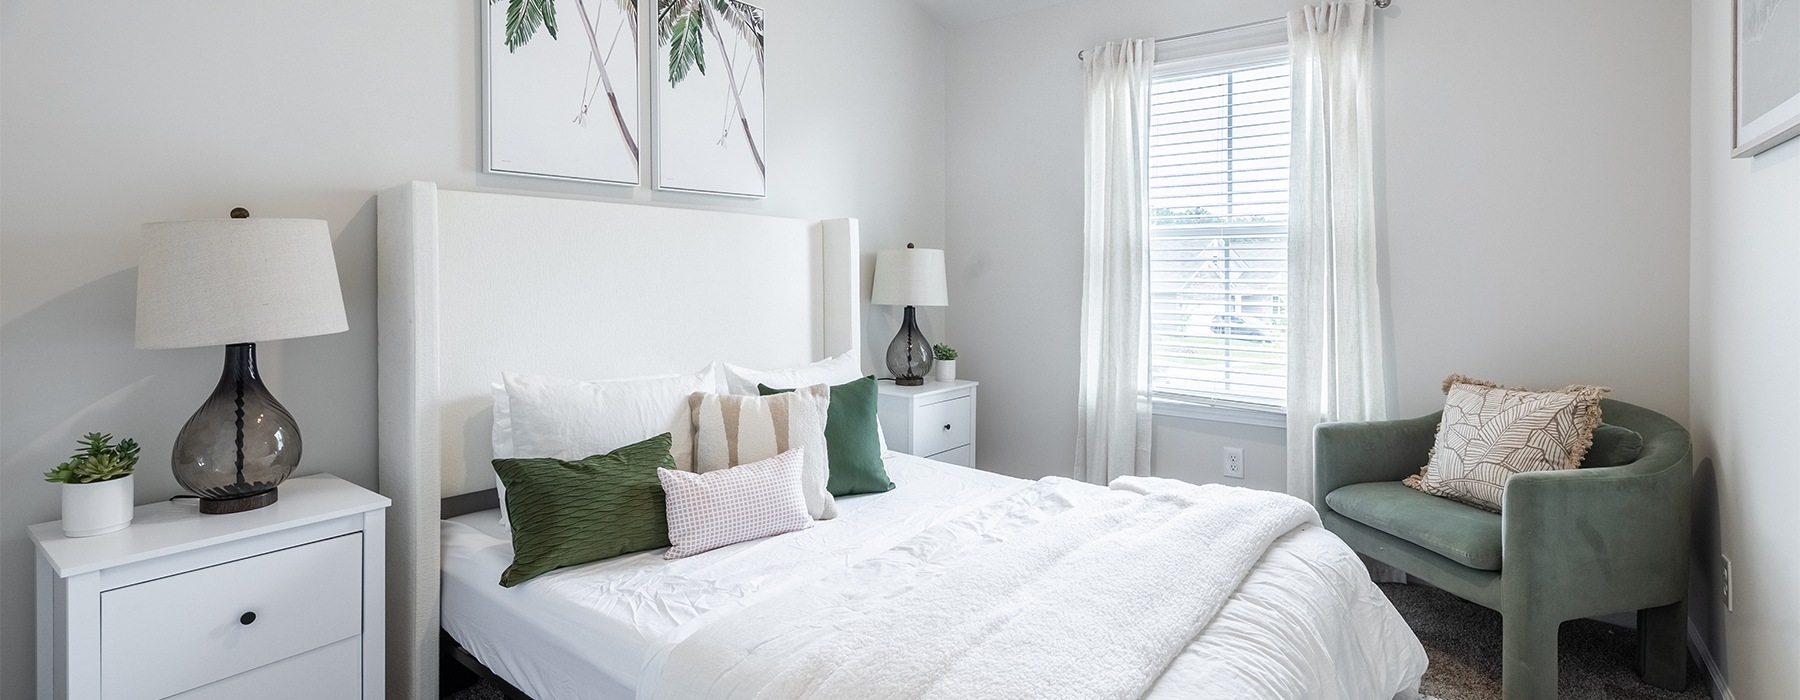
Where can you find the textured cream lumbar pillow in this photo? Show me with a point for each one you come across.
(1490, 432)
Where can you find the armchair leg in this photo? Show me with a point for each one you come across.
(1662, 646)
(1528, 657)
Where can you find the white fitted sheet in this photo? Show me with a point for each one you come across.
(1306, 622)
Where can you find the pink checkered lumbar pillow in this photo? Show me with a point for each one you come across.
(728, 506)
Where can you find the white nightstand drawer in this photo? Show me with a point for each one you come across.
(935, 419)
(941, 426)
(962, 456)
(333, 672)
(161, 637)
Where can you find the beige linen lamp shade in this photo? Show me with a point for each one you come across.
(226, 281)
(910, 277)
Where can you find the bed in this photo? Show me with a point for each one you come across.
(464, 281)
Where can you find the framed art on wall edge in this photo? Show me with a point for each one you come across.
(1765, 75)
(709, 97)
(560, 81)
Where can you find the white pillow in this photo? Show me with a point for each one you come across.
(538, 416)
(503, 444)
(733, 430)
(502, 432)
(830, 371)
(727, 506)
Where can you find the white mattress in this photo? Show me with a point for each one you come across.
(1306, 623)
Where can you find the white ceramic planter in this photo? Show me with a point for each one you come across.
(944, 370)
(97, 508)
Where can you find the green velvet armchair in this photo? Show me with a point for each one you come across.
(1568, 543)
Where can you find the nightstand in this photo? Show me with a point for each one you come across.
(279, 602)
(935, 420)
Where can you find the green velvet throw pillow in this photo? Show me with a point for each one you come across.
(567, 513)
(852, 446)
(1614, 446)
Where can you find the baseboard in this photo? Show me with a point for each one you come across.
(1715, 681)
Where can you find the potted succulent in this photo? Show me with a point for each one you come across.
(945, 369)
(96, 486)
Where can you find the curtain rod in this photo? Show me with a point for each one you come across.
(1379, 4)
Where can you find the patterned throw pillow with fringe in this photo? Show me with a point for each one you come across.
(1491, 432)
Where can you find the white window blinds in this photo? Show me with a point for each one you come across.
(1218, 239)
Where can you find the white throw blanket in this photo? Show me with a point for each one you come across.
(1075, 591)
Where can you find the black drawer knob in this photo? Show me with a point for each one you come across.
(246, 618)
(946, 426)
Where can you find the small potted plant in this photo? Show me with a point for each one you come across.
(945, 369)
(96, 486)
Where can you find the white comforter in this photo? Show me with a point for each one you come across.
(1305, 623)
(1073, 591)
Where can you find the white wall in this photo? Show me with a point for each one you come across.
(1534, 169)
(119, 113)
(1746, 237)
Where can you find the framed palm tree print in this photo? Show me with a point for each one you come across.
(1766, 72)
(561, 89)
(709, 97)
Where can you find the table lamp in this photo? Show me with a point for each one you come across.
(910, 277)
(235, 282)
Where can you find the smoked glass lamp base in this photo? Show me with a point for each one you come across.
(909, 356)
(220, 506)
(241, 444)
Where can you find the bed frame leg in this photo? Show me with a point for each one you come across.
(453, 677)
(458, 669)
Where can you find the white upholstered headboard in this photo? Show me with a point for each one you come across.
(474, 284)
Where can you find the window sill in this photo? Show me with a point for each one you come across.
(1199, 411)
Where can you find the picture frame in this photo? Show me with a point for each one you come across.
(709, 96)
(1765, 57)
(561, 90)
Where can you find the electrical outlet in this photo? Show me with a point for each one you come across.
(1234, 462)
(1727, 582)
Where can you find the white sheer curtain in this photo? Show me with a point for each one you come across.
(1113, 437)
(1336, 358)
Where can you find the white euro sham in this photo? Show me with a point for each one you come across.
(540, 416)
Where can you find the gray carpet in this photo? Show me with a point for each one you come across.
(477, 692)
(1463, 641)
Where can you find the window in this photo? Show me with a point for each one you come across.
(1218, 161)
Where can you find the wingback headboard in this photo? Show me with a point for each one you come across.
(474, 284)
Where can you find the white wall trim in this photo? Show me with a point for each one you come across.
(1715, 680)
